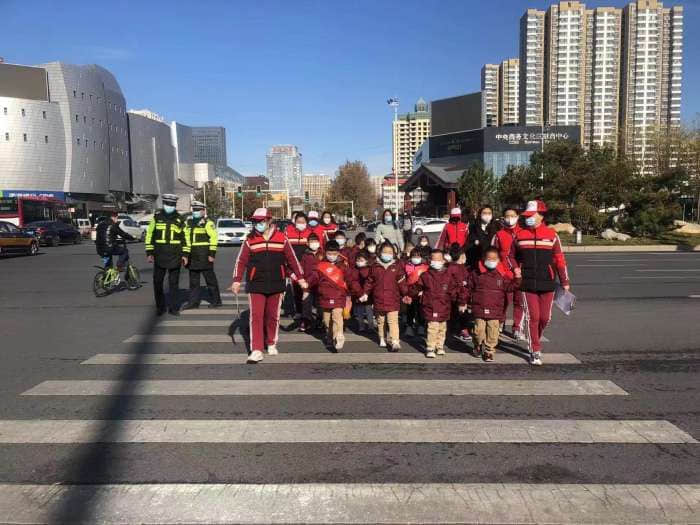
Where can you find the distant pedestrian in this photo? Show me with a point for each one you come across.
(455, 231)
(538, 251)
(407, 226)
(329, 225)
(388, 231)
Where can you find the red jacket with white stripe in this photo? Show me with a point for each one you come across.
(503, 242)
(298, 239)
(265, 262)
(539, 254)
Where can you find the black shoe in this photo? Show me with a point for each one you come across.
(188, 306)
(160, 311)
(215, 305)
(174, 311)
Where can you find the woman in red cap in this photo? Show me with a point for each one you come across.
(263, 258)
(455, 231)
(538, 251)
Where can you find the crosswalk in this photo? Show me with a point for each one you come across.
(192, 360)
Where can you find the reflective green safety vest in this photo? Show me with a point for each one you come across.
(203, 239)
(166, 239)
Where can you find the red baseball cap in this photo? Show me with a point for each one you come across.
(533, 207)
(261, 214)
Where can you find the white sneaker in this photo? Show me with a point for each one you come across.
(272, 350)
(430, 353)
(536, 358)
(382, 343)
(519, 336)
(440, 351)
(255, 356)
(409, 331)
(395, 347)
(339, 342)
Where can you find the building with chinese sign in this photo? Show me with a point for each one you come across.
(442, 159)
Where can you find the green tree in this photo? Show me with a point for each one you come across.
(352, 184)
(217, 205)
(516, 186)
(476, 187)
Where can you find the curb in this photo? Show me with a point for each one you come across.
(632, 248)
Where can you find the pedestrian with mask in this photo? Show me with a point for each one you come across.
(316, 227)
(298, 234)
(503, 242)
(481, 233)
(263, 261)
(329, 225)
(203, 239)
(538, 252)
(388, 231)
(167, 248)
(407, 226)
(455, 231)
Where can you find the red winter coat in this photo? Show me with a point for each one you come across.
(358, 278)
(330, 294)
(503, 241)
(439, 291)
(298, 239)
(453, 232)
(539, 254)
(488, 291)
(386, 285)
(320, 232)
(459, 273)
(309, 261)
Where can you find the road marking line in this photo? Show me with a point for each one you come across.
(601, 265)
(342, 431)
(328, 387)
(659, 277)
(284, 337)
(357, 503)
(321, 358)
(669, 270)
(694, 296)
(230, 312)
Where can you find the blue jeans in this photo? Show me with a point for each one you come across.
(120, 251)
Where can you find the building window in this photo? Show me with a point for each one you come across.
(24, 113)
(4, 110)
(24, 137)
(77, 118)
(94, 144)
(43, 115)
(91, 97)
(74, 93)
(82, 96)
(84, 119)
(78, 141)
(7, 136)
(46, 139)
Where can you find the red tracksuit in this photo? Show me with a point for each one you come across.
(488, 291)
(539, 254)
(387, 285)
(299, 239)
(439, 291)
(328, 231)
(453, 232)
(503, 241)
(264, 262)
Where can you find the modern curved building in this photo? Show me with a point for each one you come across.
(63, 129)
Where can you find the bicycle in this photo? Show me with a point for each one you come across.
(108, 278)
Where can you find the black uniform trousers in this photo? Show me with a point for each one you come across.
(173, 286)
(212, 285)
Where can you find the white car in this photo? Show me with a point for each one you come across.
(430, 226)
(132, 227)
(231, 231)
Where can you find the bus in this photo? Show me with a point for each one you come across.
(23, 210)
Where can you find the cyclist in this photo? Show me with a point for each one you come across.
(110, 240)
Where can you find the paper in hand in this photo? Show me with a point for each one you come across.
(565, 300)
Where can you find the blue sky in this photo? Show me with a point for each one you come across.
(312, 73)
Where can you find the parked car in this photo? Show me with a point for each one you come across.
(53, 233)
(83, 226)
(231, 231)
(430, 226)
(371, 227)
(15, 240)
(131, 227)
(143, 224)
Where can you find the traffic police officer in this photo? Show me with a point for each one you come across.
(203, 240)
(167, 247)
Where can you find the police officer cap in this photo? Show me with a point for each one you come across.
(169, 198)
(196, 205)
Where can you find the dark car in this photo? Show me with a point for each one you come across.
(282, 224)
(371, 226)
(53, 233)
(14, 240)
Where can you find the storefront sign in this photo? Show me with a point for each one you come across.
(34, 193)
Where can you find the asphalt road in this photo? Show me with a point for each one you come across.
(635, 332)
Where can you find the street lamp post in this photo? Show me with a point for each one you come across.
(394, 103)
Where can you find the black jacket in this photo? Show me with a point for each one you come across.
(166, 239)
(108, 235)
(479, 240)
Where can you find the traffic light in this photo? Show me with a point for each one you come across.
(239, 190)
(257, 191)
(306, 197)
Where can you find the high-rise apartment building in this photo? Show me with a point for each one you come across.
(409, 132)
(532, 70)
(284, 169)
(652, 60)
(601, 90)
(210, 145)
(317, 185)
(508, 91)
(490, 89)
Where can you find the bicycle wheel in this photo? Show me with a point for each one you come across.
(98, 284)
(133, 278)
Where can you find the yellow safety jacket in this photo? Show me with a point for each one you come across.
(203, 239)
(166, 239)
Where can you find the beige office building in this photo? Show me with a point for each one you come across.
(409, 132)
(317, 186)
(490, 89)
(652, 61)
(508, 92)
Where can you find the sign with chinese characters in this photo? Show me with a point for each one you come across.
(33, 193)
(526, 138)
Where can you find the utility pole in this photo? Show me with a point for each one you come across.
(394, 103)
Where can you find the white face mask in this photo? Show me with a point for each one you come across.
(360, 264)
(332, 258)
(416, 261)
(340, 241)
(530, 221)
(314, 246)
(424, 243)
(511, 221)
(491, 265)
(437, 265)
(447, 257)
(371, 249)
(301, 226)
(486, 218)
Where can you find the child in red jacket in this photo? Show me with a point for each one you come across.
(387, 285)
(363, 312)
(437, 290)
(333, 280)
(459, 270)
(309, 262)
(489, 286)
(414, 267)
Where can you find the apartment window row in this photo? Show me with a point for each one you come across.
(23, 112)
(98, 99)
(25, 137)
